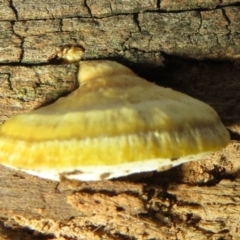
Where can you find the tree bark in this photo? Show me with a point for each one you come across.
(191, 46)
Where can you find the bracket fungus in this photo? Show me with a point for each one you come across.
(113, 125)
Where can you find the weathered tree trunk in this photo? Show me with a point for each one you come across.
(191, 46)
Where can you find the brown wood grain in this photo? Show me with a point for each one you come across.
(191, 46)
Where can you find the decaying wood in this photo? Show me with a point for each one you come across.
(191, 46)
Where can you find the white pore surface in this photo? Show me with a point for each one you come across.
(96, 173)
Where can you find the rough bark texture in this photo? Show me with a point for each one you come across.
(191, 46)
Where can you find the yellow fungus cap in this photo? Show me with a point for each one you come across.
(114, 124)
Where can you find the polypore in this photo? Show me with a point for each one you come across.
(113, 125)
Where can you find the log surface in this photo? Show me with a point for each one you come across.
(191, 46)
